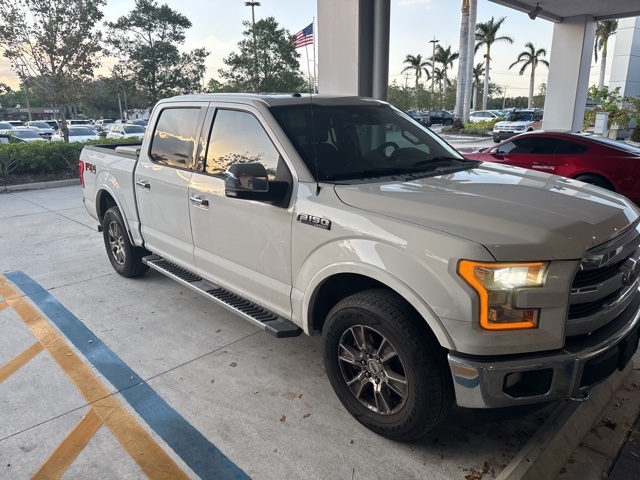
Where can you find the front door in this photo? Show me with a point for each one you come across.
(242, 245)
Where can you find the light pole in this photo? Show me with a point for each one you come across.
(433, 68)
(255, 43)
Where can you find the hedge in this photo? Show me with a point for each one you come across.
(42, 157)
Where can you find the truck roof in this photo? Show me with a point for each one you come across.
(275, 99)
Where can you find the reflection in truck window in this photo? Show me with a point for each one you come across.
(173, 139)
(342, 141)
(239, 137)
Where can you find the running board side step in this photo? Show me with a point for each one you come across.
(270, 322)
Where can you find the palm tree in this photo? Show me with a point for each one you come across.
(461, 85)
(530, 58)
(438, 77)
(445, 58)
(418, 66)
(487, 34)
(604, 30)
(478, 71)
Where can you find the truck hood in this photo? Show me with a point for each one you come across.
(517, 214)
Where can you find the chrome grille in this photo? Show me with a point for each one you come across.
(605, 284)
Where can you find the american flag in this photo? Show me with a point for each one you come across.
(304, 37)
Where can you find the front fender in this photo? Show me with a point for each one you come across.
(425, 281)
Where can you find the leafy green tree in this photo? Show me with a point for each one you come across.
(277, 68)
(604, 30)
(487, 34)
(530, 57)
(401, 97)
(146, 42)
(53, 46)
(214, 86)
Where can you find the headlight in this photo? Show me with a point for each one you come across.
(520, 127)
(496, 285)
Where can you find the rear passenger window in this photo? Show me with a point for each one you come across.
(535, 144)
(566, 147)
(174, 138)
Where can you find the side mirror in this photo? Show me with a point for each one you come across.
(249, 181)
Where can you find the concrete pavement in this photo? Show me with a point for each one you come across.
(134, 378)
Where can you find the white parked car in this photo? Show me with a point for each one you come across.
(77, 134)
(483, 116)
(125, 130)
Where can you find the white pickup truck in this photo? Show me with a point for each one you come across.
(431, 278)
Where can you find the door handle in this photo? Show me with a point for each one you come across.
(143, 184)
(199, 202)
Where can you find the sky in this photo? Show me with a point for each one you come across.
(217, 26)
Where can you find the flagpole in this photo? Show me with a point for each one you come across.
(306, 49)
(315, 75)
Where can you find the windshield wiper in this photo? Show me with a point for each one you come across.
(438, 161)
(368, 173)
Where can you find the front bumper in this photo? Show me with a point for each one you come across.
(503, 135)
(482, 382)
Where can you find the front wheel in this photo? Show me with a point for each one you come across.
(125, 258)
(385, 366)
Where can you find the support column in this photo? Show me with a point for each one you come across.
(353, 54)
(568, 82)
(625, 68)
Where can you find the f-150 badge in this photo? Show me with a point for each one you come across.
(314, 221)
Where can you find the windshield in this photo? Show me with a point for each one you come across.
(519, 117)
(80, 131)
(39, 125)
(348, 142)
(25, 134)
(614, 143)
(5, 126)
(133, 129)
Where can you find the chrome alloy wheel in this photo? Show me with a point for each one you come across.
(373, 370)
(116, 242)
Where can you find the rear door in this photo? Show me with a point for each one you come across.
(162, 181)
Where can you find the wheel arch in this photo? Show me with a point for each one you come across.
(105, 199)
(591, 173)
(335, 283)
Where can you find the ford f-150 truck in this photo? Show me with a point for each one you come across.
(432, 279)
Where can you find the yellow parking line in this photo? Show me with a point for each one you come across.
(152, 459)
(15, 364)
(70, 448)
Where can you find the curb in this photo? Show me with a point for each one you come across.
(553, 444)
(40, 185)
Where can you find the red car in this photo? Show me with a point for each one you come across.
(591, 159)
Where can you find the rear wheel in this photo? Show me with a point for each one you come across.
(596, 180)
(125, 258)
(386, 368)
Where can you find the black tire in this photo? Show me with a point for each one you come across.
(380, 328)
(124, 257)
(448, 122)
(596, 180)
(496, 139)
